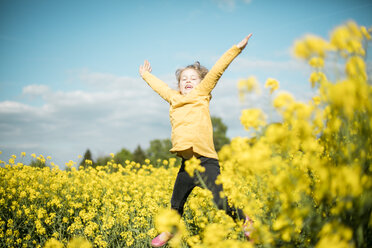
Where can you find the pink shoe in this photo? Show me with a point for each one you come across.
(161, 239)
(248, 228)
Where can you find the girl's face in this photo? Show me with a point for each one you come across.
(188, 80)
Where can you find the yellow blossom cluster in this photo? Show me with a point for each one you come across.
(307, 181)
(193, 165)
(253, 118)
(247, 86)
(272, 84)
(105, 208)
(108, 206)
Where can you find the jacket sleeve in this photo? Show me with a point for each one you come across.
(210, 80)
(158, 86)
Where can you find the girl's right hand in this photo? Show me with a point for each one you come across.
(145, 67)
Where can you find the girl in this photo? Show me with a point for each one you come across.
(192, 131)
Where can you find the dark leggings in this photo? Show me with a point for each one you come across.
(184, 185)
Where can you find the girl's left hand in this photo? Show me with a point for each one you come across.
(244, 42)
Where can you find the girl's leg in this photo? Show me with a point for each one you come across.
(182, 189)
(212, 170)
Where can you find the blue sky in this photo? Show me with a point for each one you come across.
(69, 69)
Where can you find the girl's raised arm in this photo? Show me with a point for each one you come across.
(211, 79)
(155, 83)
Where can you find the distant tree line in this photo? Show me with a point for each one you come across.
(156, 153)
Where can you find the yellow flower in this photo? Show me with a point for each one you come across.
(284, 99)
(340, 36)
(365, 32)
(354, 29)
(193, 165)
(79, 242)
(112, 155)
(272, 84)
(252, 118)
(70, 163)
(168, 220)
(246, 86)
(356, 68)
(316, 100)
(334, 235)
(348, 38)
(23, 154)
(316, 62)
(214, 234)
(41, 158)
(348, 102)
(53, 243)
(310, 46)
(88, 162)
(317, 77)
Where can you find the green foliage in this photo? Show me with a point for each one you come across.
(159, 151)
(103, 160)
(219, 133)
(87, 157)
(139, 155)
(37, 163)
(122, 156)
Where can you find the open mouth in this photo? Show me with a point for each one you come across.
(189, 86)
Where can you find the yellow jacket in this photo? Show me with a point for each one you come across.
(189, 114)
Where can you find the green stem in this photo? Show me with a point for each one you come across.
(204, 186)
(201, 180)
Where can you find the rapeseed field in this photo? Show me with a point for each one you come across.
(306, 181)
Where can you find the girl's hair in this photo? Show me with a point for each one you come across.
(201, 70)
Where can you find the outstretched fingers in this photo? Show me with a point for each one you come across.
(244, 42)
(148, 66)
(145, 67)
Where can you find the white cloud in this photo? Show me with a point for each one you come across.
(13, 107)
(35, 90)
(114, 112)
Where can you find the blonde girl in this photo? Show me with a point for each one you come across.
(192, 131)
